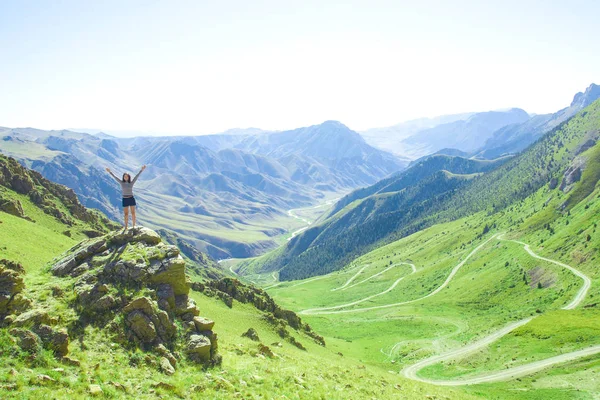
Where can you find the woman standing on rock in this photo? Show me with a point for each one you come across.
(127, 189)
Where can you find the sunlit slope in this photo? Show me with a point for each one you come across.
(499, 284)
(554, 159)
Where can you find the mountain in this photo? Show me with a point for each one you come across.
(371, 217)
(390, 138)
(514, 138)
(466, 135)
(227, 195)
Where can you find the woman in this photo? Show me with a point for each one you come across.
(127, 189)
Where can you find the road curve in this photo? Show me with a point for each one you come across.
(310, 311)
(514, 372)
(587, 283)
(349, 281)
(306, 221)
(327, 310)
(411, 371)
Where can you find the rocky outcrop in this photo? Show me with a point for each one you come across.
(136, 286)
(36, 328)
(228, 289)
(53, 199)
(572, 174)
(12, 301)
(13, 207)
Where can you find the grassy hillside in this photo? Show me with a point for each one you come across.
(554, 160)
(378, 310)
(99, 363)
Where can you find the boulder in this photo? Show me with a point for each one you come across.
(251, 334)
(34, 317)
(166, 297)
(141, 303)
(166, 367)
(134, 235)
(198, 348)
(166, 329)
(27, 340)
(142, 326)
(12, 207)
(265, 351)
(77, 256)
(95, 390)
(55, 340)
(163, 351)
(104, 304)
(203, 324)
(185, 305)
(11, 286)
(170, 271)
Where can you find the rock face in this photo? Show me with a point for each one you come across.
(13, 207)
(153, 275)
(12, 301)
(53, 199)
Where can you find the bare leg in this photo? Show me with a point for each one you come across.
(126, 209)
(133, 215)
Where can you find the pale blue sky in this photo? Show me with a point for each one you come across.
(194, 67)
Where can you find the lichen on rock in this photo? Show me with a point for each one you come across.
(136, 286)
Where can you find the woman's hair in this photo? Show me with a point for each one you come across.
(128, 177)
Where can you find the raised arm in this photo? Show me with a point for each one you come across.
(113, 175)
(138, 174)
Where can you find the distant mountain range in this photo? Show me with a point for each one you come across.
(484, 135)
(227, 193)
(516, 137)
(465, 132)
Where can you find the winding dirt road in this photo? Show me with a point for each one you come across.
(411, 372)
(292, 214)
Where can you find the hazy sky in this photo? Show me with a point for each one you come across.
(193, 67)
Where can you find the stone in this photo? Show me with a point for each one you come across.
(26, 340)
(166, 367)
(198, 348)
(73, 260)
(141, 326)
(172, 272)
(203, 324)
(45, 378)
(71, 361)
(118, 386)
(185, 305)
(251, 334)
(164, 292)
(11, 286)
(55, 340)
(265, 350)
(163, 351)
(141, 303)
(12, 207)
(34, 317)
(163, 385)
(104, 304)
(166, 329)
(95, 390)
(138, 234)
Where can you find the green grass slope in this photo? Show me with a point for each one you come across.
(358, 314)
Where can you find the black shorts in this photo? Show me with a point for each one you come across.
(128, 201)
